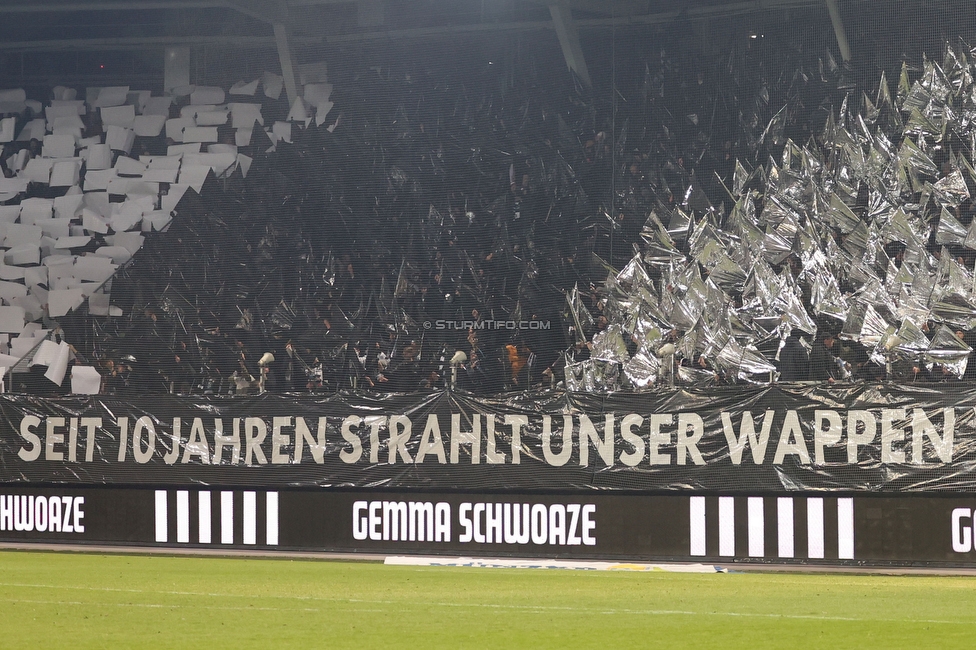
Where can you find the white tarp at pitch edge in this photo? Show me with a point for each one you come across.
(488, 563)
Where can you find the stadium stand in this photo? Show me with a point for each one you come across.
(733, 218)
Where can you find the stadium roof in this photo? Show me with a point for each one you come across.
(140, 24)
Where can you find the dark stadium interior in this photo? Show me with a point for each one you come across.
(714, 195)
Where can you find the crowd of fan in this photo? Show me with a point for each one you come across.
(430, 236)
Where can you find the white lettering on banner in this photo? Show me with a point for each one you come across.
(316, 446)
(27, 426)
(355, 451)
(42, 514)
(814, 437)
(144, 424)
(197, 445)
(558, 524)
(255, 431)
(53, 424)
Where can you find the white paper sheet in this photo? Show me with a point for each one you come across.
(67, 106)
(98, 202)
(20, 234)
(298, 112)
(54, 227)
(132, 241)
(157, 106)
(99, 157)
(21, 346)
(119, 186)
(13, 95)
(35, 208)
(46, 354)
(93, 222)
(33, 130)
(245, 115)
(165, 162)
(33, 303)
(91, 268)
(85, 380)
(98, 304)
(207, 95)
(126, 166)
(23, 255)
(13, 186)
(62, 301)
(200, 134)
(245, 163)
(11, 272)
(67, 206)
(281, 131)
(123, 116)
(194, 175)
(322, 112)
(11, 319)
(272, 84)
(38, 170)
(17, 161)
(244, 88)
(8, 361)
(56, 371)
(111, 96)
(118, 254)
(149, 125)
(119, 138)
(8, 129)
(212, 118)
(155, 220)
(72, 242)
(121, 222)
(9, 213)
(169, 201)
(65, 173)
(242, 137)
(160, 175)
(180, 149)
(33, 275)
(9, 291)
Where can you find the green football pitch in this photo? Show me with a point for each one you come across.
(67, 600)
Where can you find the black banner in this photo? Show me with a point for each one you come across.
(800, 528)
(884, 438)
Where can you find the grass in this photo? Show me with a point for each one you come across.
(50, 600)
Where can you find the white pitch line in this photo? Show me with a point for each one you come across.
(530, 608)
(157, 605)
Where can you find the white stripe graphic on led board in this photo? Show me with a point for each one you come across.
(757, 527)
(182, 516)
(204, 515)
(784, 533)
(783, 525)
(162, 526)
(271, 529)
(203, 511)
(226, 517)
(815, 528)
(845, 529)
(726, 526)
(250, 518)
(697, 509)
